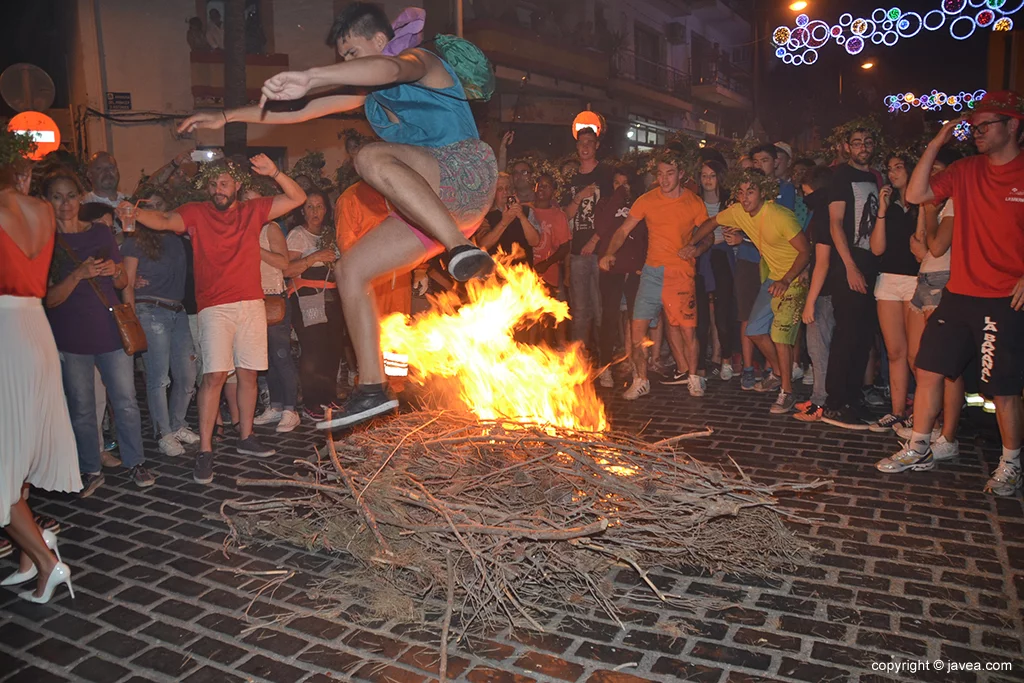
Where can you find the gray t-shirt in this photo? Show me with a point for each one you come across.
(163, 278)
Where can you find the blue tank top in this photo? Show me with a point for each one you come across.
(427, 117)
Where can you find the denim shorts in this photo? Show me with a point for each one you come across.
(929, 290)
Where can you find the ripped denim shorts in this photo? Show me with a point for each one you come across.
(929, 290)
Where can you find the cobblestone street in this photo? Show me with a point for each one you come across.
(911, 567)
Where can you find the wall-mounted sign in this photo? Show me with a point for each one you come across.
(41, 127)
(119, 101)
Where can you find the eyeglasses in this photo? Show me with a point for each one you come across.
(858, 144)
(982, 128)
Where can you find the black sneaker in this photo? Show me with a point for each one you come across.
(845, 418)
(252, 446)
(675, 378)
(467, 261)
(142, 477)
(367, 401)
(91, 482)
(202, 473)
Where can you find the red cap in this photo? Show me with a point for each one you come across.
(1002, 102)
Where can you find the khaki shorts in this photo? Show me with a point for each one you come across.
(234, 336)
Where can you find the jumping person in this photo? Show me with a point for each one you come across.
(432, 168)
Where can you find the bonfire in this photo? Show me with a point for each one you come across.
(512, 496)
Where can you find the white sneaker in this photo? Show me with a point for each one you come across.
(944, 450)
(798, 372)
(606, 380)
(1006, 480)
(170, 446)
(352, 378)
(640, 387)
(696, 385)
(906, 459)
(289, 421)
(726, 373)
(906, 430)
(808, 376)
(268, 416)
(186, 436)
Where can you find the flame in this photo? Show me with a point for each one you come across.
(498, 377)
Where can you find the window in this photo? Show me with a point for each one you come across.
(645, 134)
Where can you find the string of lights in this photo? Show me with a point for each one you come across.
(933, 101)
(800, 43)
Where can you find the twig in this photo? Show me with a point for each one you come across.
(447, 623)
(368, 517)
(684, 437)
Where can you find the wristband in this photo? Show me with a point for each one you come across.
(225, 115)
(276, 173)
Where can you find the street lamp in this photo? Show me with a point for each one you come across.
(798, 6)
(867, 65)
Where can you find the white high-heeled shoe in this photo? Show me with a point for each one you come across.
(21, 577)
(61, 574)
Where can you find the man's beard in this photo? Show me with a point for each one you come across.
(221, 202)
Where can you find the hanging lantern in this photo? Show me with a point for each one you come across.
(588, 119)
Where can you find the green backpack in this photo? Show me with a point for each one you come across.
(470, 64)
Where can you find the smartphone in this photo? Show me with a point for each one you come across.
(511, 201)
(205, 156)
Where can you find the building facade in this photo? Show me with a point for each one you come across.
(651, 67)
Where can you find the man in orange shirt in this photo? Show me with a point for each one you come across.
(360, 209)
(668, 282)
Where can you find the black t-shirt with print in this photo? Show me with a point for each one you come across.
(582, 224)
(859, 190)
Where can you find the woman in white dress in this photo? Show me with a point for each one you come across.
(37, 444)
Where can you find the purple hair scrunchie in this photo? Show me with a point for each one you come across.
(408, 28)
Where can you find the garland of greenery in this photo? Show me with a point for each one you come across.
(14, 146)
(211, 171)
(767, 185)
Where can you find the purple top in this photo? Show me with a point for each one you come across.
(82, 324)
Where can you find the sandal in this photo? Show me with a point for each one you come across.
(220, 432)
(47, 524)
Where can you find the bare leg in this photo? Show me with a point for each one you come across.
(1010, 416)
(209, 406)
(952, 405)
(683, 343)
(231, 396)
(24, 532)
(410, 178)
(915, 323)
(928, 401)
(786, 354)
(765, 344)
(388, 247)
(639, 338)
(657, 336)
(747, 346)
(892, 319)
(245, 401)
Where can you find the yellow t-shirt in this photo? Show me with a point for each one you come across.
(770, 231)
(670, 223)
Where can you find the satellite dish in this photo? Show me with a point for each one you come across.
(26, 87)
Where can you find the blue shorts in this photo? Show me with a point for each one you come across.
(672, 290)
(778, 316)
(648, 296)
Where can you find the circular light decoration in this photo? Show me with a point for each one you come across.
(810, 57)
(933, 101)
(588, 119)
(962, 131)
(887, 26)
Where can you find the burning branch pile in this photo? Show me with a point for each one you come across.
(503, 520)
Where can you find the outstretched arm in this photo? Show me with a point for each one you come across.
(374, 71)
(618, 239)
(170, 221)
(314, 109)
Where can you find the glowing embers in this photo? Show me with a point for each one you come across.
(888, 25)
(933, 101)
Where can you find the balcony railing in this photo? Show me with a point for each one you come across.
(711, 74)
(628, 65)
(208, 75)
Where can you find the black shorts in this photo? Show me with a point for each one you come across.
(967, 328)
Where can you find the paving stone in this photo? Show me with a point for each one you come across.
(275, 641)
(209, 674)
(35, 675)
(660, 642)
(119, 645)
(483, 674)
(732, 656)
(384, 673)
(609, 654)
(165, 661)
(614, 677)
(429, 660)
(686, 670)
(767, 639)
(265, 667)
(550, 666)
(57, 652)
(807, 671)
(99, 670)
(216, 650)
(18, 637)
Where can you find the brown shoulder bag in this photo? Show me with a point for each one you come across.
(133, 337)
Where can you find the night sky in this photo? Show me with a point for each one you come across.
(31, 32)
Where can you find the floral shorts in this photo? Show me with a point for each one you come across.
(469, 174)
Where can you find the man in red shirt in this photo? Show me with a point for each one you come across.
(225, 235)
(979, 316)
